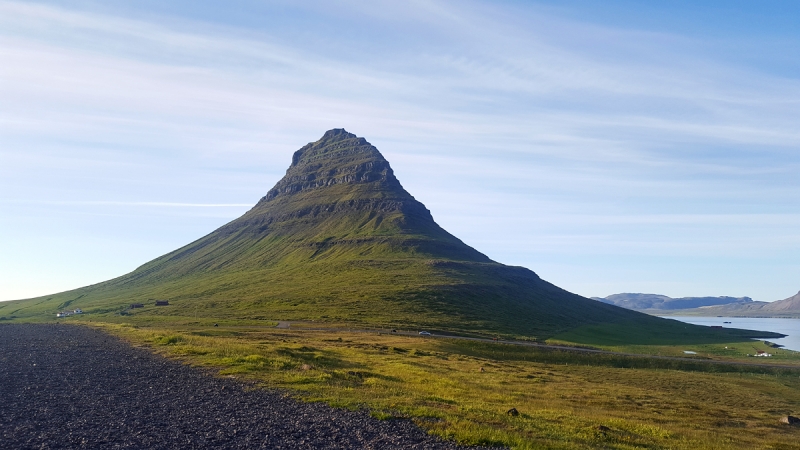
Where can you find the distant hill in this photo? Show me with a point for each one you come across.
(788, 307)
(791, 304)
(644, 302)
(339, 240)
(705, 306)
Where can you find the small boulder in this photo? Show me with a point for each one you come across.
(790, 420)
(512, 412)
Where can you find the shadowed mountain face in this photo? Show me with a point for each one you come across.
(339, 239)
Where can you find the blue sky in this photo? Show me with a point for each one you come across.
(612, 146)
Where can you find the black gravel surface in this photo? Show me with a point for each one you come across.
(66, 386)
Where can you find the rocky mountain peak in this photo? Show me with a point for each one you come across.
(338, 157)
(337, 134)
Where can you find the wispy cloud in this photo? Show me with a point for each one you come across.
(127, 203)
(525, 115)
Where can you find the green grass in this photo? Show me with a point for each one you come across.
(707, 343)
(563, 397)
(661, 332)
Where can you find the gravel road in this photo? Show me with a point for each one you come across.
(66, 386)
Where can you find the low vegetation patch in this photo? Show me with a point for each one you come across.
(465, 390)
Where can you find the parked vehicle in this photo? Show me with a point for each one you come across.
(424, 333)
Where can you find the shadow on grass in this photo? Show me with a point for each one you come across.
(658, 332)
(506, 352)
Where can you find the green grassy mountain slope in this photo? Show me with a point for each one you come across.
(338, 239)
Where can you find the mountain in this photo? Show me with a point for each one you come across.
(646, 302)
(788, 307)
(339, 240)
(705, 306)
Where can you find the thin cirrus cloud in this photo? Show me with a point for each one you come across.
(185, 91)
(563, 136)
(146, 204)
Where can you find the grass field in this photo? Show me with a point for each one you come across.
(628, 338)
(462, 389)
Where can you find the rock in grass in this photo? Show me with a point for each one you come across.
(790, 420)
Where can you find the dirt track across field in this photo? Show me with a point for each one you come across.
(67, 386)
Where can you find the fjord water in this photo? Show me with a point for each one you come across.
(789, 327)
